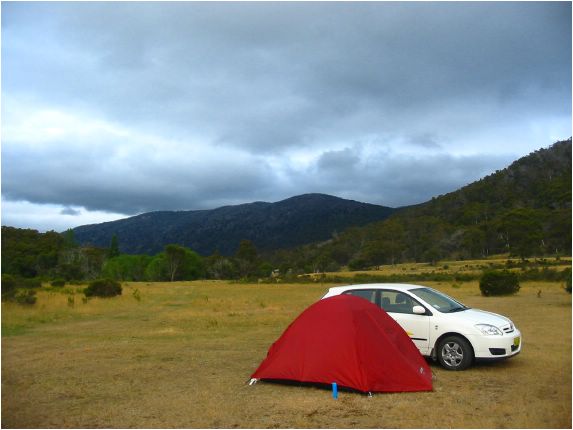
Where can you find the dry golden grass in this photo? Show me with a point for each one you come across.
(182, 355)
(450, 267)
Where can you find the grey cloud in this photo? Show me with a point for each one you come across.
(70, 211)
(268, 76)
(344, 160)
(398, 180)
(406, 180)
(99, 183)
(264, 83)
(426, 140)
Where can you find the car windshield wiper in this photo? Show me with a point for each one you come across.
(463, 308)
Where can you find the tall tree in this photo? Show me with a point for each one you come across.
(392, 236)
(69, 239)
(176, 263)
(175, 256)
(246, 256)
(126, 267)
(114, 247)
(521, 231)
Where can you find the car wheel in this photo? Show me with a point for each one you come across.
(455, 353)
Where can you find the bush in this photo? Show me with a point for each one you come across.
(11, 286)
(26, 297)
(358, 263)
(567, 273)
(136, 295)
(28, 283)
(498, 283)
(103, 288)
(58, 282)
(8, 287)
(546, 274)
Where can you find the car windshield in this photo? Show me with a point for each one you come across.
(439, 301)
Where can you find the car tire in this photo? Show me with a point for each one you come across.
(455, 353)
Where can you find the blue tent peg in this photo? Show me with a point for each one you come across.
(334, 390)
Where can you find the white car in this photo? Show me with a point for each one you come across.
(441, 327)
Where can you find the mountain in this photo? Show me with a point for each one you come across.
(540, 180)
(523, 210)
(288, 223)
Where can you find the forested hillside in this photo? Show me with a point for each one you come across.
(292, 222)
(523, 210)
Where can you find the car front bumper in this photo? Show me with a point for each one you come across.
(495, 347)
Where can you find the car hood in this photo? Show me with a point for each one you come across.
(477, 316)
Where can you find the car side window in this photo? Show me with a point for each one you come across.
(397, 302)
(369, 295)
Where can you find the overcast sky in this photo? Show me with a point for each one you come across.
(114, 109)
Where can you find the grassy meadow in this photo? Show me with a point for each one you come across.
(462, 267)
(181, 354)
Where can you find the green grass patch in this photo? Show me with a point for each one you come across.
(9, 330)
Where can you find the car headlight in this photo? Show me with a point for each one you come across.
(489, 330)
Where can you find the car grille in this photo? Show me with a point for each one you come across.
(508, 328)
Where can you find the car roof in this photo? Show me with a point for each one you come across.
(398, 287)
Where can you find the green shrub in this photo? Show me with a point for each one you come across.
(358, 263)
(8, 287)
(58, 282)
(498, 283)
(136, 295)
(26, 297)
(11, 286)
(546, 274)
(28, 283)
(103, 288)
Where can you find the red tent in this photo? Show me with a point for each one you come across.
(350, 341)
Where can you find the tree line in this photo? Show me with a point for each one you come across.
(49, 256)
(519, 232)
(523, 210)
(29, 254)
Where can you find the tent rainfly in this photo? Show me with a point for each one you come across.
(350, 341)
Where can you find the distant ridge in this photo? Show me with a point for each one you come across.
(521, 210)
(540, 180)
(288, 223)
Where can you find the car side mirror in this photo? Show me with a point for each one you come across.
(419, 310)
